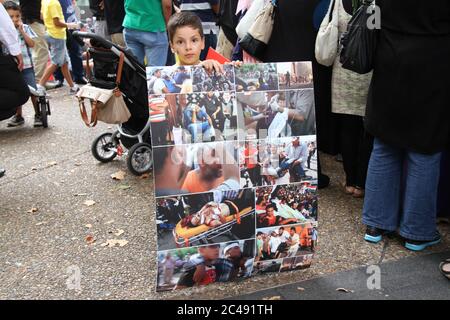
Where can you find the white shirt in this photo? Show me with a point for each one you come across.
(285, 236)
(274, 242)
(158, 86)
(8, 34)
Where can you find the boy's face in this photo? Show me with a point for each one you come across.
(15, 16)
(210, 252)
(187, 44)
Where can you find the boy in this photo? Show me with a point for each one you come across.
(56, 38)
(187, 40)
(200, 269)
(26, 36)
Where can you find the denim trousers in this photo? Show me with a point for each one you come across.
(401, 192)
(150, 45)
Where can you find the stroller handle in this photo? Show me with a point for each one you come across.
(88, 35)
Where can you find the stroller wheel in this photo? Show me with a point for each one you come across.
(103, 148)
(140, 158)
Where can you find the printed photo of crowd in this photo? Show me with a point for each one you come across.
(287, 204)
(277, 162)
(205, 82)
(256, 77)
(285, 241)
(276, 114)
(200, 266)
(165, 80)
(199, 219)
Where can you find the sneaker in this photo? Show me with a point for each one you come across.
(53, 84)
(37, 121)
(74, 89)
(16, 121)
(374, 235)
(40, 90)
(415, 245)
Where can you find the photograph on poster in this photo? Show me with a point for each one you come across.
(279, 161)
(295, 75)
(165, 80)
(276, 114)
(256, 77)
(193, 118)
(296, 263)
(285, 241)
(286, 204)
(195, 168)
(199, 266)
(271, 266)
(204, 81)
(199, 219)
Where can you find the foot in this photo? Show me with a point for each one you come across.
(444, 267)
(358, 193)
(415, 245)
(348, 189)
(2, 172)
(374, 235)
(16, 121)
(53, 84)
(37, 121)
(74, 89)
(40, 90)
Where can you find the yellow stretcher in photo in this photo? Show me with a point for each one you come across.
(185, 236)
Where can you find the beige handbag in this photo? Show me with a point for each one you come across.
(327, 41)
(106, 105)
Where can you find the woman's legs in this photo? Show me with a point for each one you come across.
(383, 187)
(420, 201)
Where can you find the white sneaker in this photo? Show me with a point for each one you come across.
(40, 90)
(74, 89)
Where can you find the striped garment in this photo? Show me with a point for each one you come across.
(203, 9)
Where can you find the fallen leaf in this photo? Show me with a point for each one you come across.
(90, 239)
(89, 203)
(109, 222)
(51, 164)
(119, 233)
(123, 187)
(344, 290)
(273, 298)
(34, 169)
(88, 226)
(41, 223)
(32, 210)
(119, 175)
(145, 176)
(300, 289)
(77, 164)
(114, 242)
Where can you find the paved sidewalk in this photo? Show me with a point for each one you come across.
(415, 278)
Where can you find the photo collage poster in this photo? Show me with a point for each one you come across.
(235, 171)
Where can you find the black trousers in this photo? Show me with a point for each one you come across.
(13, 90)
(356, 147)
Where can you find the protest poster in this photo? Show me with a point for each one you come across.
(235, 171)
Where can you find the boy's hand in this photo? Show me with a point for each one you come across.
(212, 65)
(20, 27)
(236, 64)
(19, 60)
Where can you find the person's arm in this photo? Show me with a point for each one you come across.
(167, 9)
(26, 37)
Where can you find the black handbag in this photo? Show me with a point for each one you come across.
(359, 42)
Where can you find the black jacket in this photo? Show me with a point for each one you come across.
(409, 99)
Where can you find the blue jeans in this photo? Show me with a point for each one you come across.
(296, 170)
(401, 192)
(76, 60)
(202, 128)
(152, 45)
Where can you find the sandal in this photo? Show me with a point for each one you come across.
(444, 268)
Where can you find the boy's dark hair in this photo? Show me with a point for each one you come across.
(184, 19)
(11, 5)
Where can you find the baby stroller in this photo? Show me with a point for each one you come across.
(134, 134)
